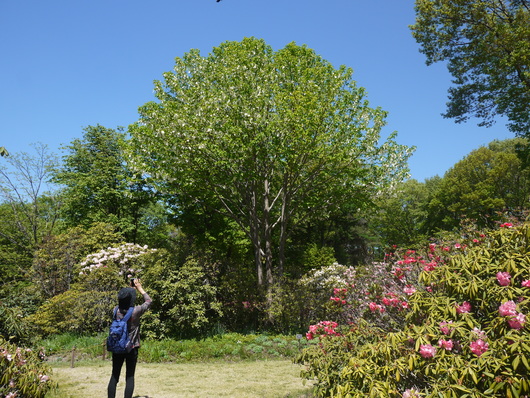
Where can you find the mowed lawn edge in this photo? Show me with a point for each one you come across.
(241, 379)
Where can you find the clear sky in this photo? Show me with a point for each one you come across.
(65, 64)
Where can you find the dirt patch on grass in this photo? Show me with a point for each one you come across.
(263, 379)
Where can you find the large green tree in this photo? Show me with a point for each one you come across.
(486, 44)
(97, 184)
(266, 138)
(489, 182)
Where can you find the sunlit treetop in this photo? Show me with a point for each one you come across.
(486, 45)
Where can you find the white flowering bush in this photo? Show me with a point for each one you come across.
(124, 257)
(84, 308)
(327, 278)
(317, 286)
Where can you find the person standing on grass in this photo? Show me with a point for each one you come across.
(126, 299)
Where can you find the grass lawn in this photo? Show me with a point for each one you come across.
(263, 379)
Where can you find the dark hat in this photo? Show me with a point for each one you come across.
(126, 298)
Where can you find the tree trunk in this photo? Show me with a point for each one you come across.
(256, 241)
(267, 234)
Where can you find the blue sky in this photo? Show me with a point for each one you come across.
(65, 65)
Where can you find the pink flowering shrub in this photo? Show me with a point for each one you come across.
(22, 372)
(464, 334)
(322, 329)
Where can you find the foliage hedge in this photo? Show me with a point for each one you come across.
(228, 346)
(457, 340)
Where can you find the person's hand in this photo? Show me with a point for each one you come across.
(138, 286)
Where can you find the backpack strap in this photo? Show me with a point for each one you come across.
(127, 316)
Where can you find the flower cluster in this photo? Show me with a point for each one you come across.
(411, 393)
(478, 347)
(427, 351)
(446, 327)
(503, 278)
(339, 295)
(322, 329)
(122, 257)
(463, 308)
(516, 320)
(17, 357)
(446, 344)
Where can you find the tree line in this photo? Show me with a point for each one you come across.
(252, 168)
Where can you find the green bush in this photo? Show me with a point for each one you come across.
(13, 326)
(186, 303)
(466, 334)
(22, 372)
(74, 311)
(86, 307)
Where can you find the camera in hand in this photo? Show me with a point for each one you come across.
(132, 282)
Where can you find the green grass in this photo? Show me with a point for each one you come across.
(243, 379)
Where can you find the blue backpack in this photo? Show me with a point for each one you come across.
(118, 339)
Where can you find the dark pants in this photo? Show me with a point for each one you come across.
(130, 367)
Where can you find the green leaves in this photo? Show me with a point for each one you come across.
(267, 139)
(486, 44)
(487, 355)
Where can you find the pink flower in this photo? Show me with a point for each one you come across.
(525, 283)
(427, 351)
(507, 309)
(480, 334)
(478, 347)
(410, 290)
(458, 246)
(506, 225)
(503, 278)
(375, 307)
(517, 322)
(411, 393)
(444, 328)
(464, 308)
(446, 344)
(429, 266)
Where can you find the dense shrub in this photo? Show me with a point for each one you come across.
(186, 302)
(87, 306)
(74, 311)
(465, 334)
(12, 326)
(56, 264)
(22, 372)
